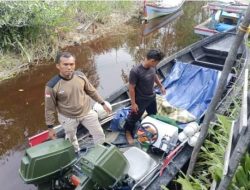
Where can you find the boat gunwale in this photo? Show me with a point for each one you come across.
(191, 47)
(169, 174)
(167, 60)
(227, 7)
(166, 8)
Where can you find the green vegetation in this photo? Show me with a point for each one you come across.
(211, 159)
(98, 10)
(31, 30)
(210, 164)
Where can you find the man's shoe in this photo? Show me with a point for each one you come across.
(129, 138)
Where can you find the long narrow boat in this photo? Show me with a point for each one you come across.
(210, 53)
(155, 24)
(190, 77)
(224, 17)
(229, 7)
(161, 8)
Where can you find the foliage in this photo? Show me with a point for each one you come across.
(24, 25)
(193, 184)
(31, 28)
(164, 188)
(211, 159)
(99, 9)
(242, 175)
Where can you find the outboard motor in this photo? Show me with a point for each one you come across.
(53, 165)
(44, 163)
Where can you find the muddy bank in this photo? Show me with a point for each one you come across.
(116, 24)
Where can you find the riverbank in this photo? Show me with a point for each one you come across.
(115, 22)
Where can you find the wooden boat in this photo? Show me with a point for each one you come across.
(224, 18)
(228, 7)
(157, 23)
(109, 171)
(210, 52)
(161, 8)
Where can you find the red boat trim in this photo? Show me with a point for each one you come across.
(205, 30)
(39, 138)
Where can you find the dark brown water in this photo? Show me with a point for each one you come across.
(105, 61)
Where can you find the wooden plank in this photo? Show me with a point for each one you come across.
(243, 117)
(228, 149)
(213, 185)
(208, 65)
(121, 102)
(240, 149)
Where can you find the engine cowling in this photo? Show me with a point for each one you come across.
(45, 161)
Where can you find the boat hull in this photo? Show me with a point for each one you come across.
(210, 53)
(194, 54)
(155, 24)
(226, 18)
(232, 8)
(153, 11)
(204, 28)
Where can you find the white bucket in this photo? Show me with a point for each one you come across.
(191, 129)
(193, 140)
(100, 111)
(182, 137)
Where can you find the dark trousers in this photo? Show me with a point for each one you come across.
(148, 105)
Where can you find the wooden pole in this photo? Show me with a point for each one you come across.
(248, 105)
(235, 159)
(232, 162)
(222, 82)
(228, 150)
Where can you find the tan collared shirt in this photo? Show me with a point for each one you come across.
(70, 98)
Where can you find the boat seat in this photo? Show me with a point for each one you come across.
(222, 47)
(209, 65)
(140, 163)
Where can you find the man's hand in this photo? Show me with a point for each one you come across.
(52, 134)
(163, 90)
(134, 108)
(107, 109)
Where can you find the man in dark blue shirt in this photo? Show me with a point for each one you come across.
(141, 89)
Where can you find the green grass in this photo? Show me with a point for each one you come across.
(210, 162)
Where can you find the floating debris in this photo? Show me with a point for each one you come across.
(6, 122)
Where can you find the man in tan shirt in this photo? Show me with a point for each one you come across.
(69, 94)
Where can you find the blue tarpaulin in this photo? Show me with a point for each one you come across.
(191, 87)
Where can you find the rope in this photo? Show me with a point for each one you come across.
(244, 28)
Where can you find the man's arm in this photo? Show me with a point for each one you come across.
(134, 106)
(133, 78)
(158, 82)
(92, 92)
(50, 111)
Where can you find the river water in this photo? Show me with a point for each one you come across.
(106, 62)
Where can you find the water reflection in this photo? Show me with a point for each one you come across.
(105, 61)
(113, 70)
(9, 176)
(157, 23)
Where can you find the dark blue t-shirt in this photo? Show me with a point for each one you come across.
(143, 79)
